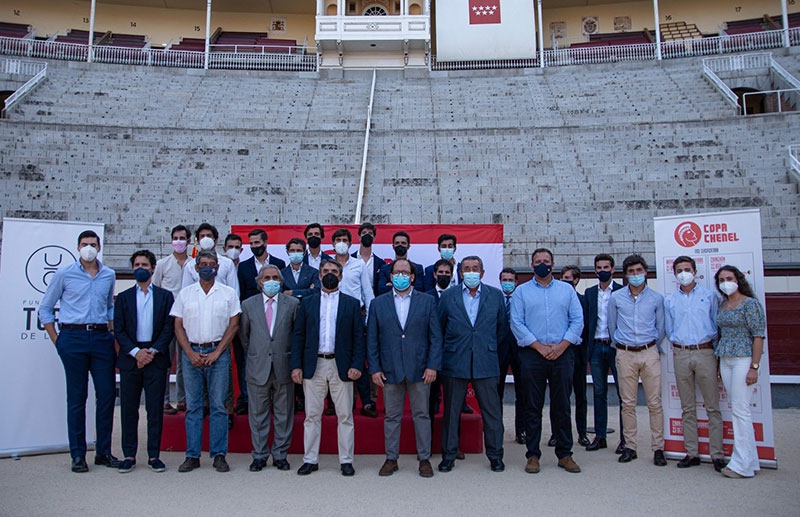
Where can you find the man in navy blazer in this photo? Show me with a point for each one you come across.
(473, 318)
(447, 249)
(248, 269)
(328, 353)
(144, 329)
(299, 279)
(401, 243)
(404, 352)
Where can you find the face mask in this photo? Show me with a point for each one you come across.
(728, 287)
(206, 243)
(271, 287)
(542, 270)
(400, 251)
(233, 253)
(636, 280)
(443, 281)
(295, 258)
(401, 282)
(179, 246)
(258, 250)
(507, 287)
(341, 248)
(330, 281)
(472, 280)
(604, 276)
(141, 274)
(685, 278)
(447, 253)
(88, 253)
(207, 273)
(314, 242)
(367, 240)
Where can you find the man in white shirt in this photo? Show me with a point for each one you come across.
(314, 257)
(355, 277)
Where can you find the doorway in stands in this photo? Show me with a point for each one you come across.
(5, 94)
(755, 103)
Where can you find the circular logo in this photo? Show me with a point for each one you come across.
(688, 234)
(44, 262)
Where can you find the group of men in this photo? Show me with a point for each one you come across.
(335, 324)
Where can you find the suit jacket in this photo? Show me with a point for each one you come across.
(385, 276)
(323, 257)
(404, 353)
(308, 276)
(349, 347)
(377, 264)
(265, 352)
(429, 282)
(471, 352)
(126, 317)
(590, 316)
(508, 342)
(246, 273)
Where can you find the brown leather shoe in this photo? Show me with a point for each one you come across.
(532, 467)
(425, 469)
(389, 467)
(169, 410)
(568, 464)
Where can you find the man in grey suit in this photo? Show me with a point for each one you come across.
(265, 330)
(404, 352)
(473, 318)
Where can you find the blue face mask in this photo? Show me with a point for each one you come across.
(507, 287)
(401, 282)
(207, 273)
(542, 270)
(271, 287)
(604, 276)
(447, 253)
(295, 258)
(141, 274)
(472, 280)
(636, 280)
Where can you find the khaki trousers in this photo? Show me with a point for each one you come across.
(698, 369)
(630, 367)
(315, 390)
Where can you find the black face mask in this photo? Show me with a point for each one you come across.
(258, 250)
(443, 281)
(400, 251)
(314, 242)
(330, 281)
(367, 240)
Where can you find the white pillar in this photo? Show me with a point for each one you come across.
(320, 7)
(208, 33)
(91, 31)
(403, 7)
(427, 7)
(541, 32)
(657, 17)
(785, 14)
(340, 8)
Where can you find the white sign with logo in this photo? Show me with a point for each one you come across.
(714, 240)
(33, 389)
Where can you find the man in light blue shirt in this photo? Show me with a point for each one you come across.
(547, 319)
(691, 324)
(85, 344)
(636, 327)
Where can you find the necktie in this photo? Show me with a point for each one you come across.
(269, 315)
(508, 304)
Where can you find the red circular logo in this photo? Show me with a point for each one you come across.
(688, 234)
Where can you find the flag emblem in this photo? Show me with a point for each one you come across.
(484, 11)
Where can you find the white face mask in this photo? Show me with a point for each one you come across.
(206, 243)
(341, 248)
(728, 287)
(685, 278)
(88, 253)
(233, 253)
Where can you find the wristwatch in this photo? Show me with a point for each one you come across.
(754, 366)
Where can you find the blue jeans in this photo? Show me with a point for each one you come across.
(216, 377)
(603, 358)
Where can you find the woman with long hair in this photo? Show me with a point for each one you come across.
(742, 326)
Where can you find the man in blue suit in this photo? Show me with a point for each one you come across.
(447, 250)
(248, 269)
(404, 352)
(401, 243)
(144, 330)
(328, 353)
(299, 279)
(473, 319)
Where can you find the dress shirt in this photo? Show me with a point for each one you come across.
(226, 273)
(691, 319)
(296, 273)
(314, 262)
(547, 314)
(402, 303)
(84, 300)
(271, 323)
(356, 281)
(169, 274)
(636, 321)
(206, 315)
(603, 297)
(144, 315)
(328, 310)
(471, 303)
(369, 265)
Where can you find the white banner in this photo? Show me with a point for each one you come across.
(485, 29)
(714, 240)
(32, 386)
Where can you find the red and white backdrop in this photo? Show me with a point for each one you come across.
(714, 240)
(483, 240)
(485, 29)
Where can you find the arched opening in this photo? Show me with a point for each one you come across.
(415, 9)
(375, 10)
(754, 103)
(331, 11)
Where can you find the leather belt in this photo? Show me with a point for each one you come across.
(212, 344)
(89, 326)
(620, 346)
(605, 341)
(326, 356)
(702, 346)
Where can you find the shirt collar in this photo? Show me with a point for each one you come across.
(330, 295)
(402, 296)
(267, 298)
(539, 284)
(465, 288)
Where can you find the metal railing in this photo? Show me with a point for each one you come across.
(794, 161)
(362, 181)
(720, 85)
(777, 93)
(37, 69)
